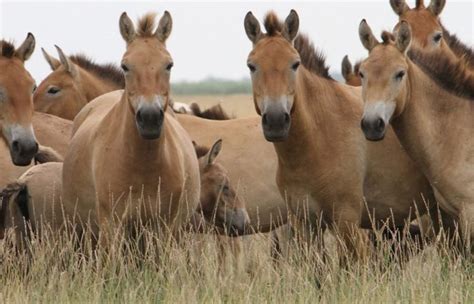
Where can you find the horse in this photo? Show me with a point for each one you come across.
(21, 127)
(35, 199)
(432, 117)
(76, 80)
(428, 32)
(133, 161)
(325, 165)
(351, 75)
(73, 82)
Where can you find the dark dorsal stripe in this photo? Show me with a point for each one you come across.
(109, 71)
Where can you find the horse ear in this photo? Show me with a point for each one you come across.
(164, 27)
(403, 39)
(66, 62)
(399, 6)
(292, 24)
(252, 28)
(127, 29)
(436, 6)
(346, 67)
(26, 48)
(214, 152)
(366, 36)
(53, 62)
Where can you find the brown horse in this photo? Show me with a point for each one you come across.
(428, 32)
(325, 165)
(74, 82)
(351, 75)
(133, 161)
(431, 117)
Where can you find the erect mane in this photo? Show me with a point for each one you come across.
(459, 48)
(200, 150)
(215, 112)
(146, 25)
(7, 49)
(108, 71)
(455, 77)
(311, 58)
(357, 67)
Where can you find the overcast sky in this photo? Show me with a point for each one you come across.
(208, 38)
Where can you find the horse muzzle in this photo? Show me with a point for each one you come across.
(149, 119)
(276, 124)
(373, 128)
(22, 144)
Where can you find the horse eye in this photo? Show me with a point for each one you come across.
(400, 75)
(169, 66)
(124, 68)
(295, 66)
(225, 188)
(437, 37)
(53, 90)
(252, 68)
(34, 88)
(361, 75)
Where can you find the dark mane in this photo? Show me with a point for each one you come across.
(387, 37)
(357, 67)
(7, 49)
(108, 72)
(215, 112)
(459, 48)
(311, 58)
(455, 77)
(200, 150)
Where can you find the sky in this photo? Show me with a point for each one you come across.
(208, 38)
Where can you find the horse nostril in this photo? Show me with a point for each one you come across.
(380, 124)
(16, 146)
(287, 118)
(139, 117)
(264, 119)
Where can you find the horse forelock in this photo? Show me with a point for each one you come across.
(272, 24)
(146, 25)
(7, 49)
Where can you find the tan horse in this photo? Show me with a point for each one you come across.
(432, 118)
(134, 150)
(351, 75)
(16, 109)
(324, 163)
(428, 32)
(17, 117)
(74, 82)
(36, 198)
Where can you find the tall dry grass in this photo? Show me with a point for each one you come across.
(54, 270)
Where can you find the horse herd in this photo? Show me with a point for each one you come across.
(336, 156)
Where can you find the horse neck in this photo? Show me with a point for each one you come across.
(93, 86)
(318, 112)
(432, 123)
(137, 151)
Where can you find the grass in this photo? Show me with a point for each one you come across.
(212, 86)
(55, 271)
